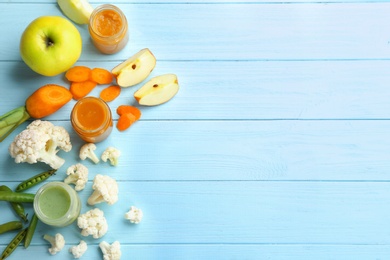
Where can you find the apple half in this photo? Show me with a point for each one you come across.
(135, 69)
(78, 11)
(157, 90)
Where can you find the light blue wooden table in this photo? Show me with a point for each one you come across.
(277, 145)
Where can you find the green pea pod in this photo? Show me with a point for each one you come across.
(31, 182)
(31, 230)
(13, 244)
(16, 196)
(9, 226)
(17, 207)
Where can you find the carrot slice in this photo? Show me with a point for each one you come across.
(125, 109)
(101, 76)
(110, 93)
(125, 121)
(46, 100)
(78, 74)
(81, 89)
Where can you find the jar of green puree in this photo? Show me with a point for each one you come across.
(57, 204)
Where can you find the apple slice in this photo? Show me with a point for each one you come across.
(78, 11)
(135, 69)
(157, 90)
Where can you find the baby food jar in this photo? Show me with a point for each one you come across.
(91, 119)
(57, 204)
(108, 29)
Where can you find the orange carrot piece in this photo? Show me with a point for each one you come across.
(125, 109)
(110, 93)
(125, 121)
(81, 89)
(101, 76)
(78, 74)
(46, 100)
(128, 115)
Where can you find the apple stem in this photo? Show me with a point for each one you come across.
(49, 42)
(11, 120)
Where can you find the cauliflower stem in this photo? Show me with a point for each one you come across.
(11, 120)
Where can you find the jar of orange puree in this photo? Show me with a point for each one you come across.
(91, 119)
(108, 29)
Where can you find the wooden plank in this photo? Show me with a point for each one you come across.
(336, 213)
(239, 90)
(248, 252)
(262, 32)
(243, 150)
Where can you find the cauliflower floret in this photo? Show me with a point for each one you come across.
(88, 151)
(111, 252)
(57, 243)
(77, 175)
(112, 154)
(134, 215)
(79, 250)
(105, 190)
(40, 142)
(93, 223)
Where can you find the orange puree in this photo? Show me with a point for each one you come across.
(91, 119)
(91, 114)
(108, 29)
(107, 23)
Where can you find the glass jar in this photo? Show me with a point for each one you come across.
(91, 119)
(57, 204)
(108, 29)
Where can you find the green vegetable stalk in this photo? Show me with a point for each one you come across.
(11, 120)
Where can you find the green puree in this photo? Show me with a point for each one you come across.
(54, 202)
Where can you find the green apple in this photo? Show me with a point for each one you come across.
(78, 11)
(50, 45)
(135, 69)
(157, 90)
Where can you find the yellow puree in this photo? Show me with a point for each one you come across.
(107, 23)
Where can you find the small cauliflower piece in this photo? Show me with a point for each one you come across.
(40, 142)
(57, 243)
(112, 154)
(111, 252)
(135, 215)
(105, 190)
(93, 223)
(88, 151)
(77, 175)
(79, 250)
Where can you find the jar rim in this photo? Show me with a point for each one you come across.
(67, 218)
(101, 8)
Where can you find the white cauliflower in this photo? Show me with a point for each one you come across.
(112, 154)
(111, 252)
(57, 243)
(40, 142)
(135, 215)
(77, 175)
(88, 151)
(105, 190)
(93, 223)
(79, 250)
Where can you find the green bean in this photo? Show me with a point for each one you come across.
(31, 230)
(12, 225)
(13, 244)
(16, 196)
(18, 207)
(34, 180)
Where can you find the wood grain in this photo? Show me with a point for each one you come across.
(276, 146)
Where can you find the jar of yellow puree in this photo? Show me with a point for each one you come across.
(108, 29)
